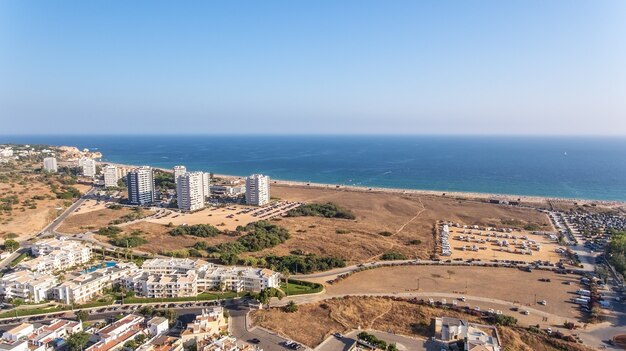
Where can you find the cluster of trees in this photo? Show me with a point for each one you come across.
(133, 240)
(616, 251)
(303, 263)
(504, 320)
(11, 245)
(164, 180)
(262, 234)
(265, 295)
(128, 241)
(199, 230)
(328, 210)
(65, 192)
(374, 341)
(109, 231)
(392, 256)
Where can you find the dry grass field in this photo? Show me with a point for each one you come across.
(314, 322)
(408, 217)
(508, 284)
(24, 220)
(91, 220)
(159, 239)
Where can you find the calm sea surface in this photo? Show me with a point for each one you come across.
(590, 168)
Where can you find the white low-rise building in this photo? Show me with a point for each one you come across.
(84, 287)
(27, 285)
(56, 254)
(180, 277)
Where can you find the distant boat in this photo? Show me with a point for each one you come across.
(565, 153)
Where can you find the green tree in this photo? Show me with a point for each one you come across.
(77, 341)
(82, 315)
(11, 245)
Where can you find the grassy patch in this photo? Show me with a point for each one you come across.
(297, 287)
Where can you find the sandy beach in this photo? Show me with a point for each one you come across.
(451, 194)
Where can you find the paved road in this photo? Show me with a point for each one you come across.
(268, 341)
(404, 343)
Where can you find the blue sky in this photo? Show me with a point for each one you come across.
(408, 67)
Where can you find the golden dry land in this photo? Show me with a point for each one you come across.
(314, 322)
(507, 284)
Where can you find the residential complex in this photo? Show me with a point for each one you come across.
(178, 171)
(190, 191)
(88, 166)
(111, 176)
(44, 337)
(27, 286)
(178, 277)
(50, 164)
(257, 190)
(55, 255)
(114, 336)
(83, 287)
(210, 324)
(140, 182)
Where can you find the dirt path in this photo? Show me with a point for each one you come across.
(379, 316)
(414, 217)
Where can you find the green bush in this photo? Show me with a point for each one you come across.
(199, 230)
(328, 210)
(392, 256)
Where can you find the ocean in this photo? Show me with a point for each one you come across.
(568, 167)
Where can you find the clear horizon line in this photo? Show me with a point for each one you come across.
(614, 136)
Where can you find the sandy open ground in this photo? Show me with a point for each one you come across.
(92, 218)
(488, 248)
(28, 221)
(314, 322)
(409, 218)
(508, 284)
(228, 217)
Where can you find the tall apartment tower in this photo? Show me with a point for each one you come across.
(140, 183)
(206, 184)
(190, 191)
(88, 165)
(257, 190)
(111, 176)
(50, 164)
(178, 171)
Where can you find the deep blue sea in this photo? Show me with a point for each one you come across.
(589, 168)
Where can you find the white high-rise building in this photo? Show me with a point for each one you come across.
(111, 176)
(178, 171)
(257, 190)
(190, 191)
(88, 165)
(206, 184)
(50, 164)
(140, 183)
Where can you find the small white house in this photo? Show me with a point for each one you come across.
(158, 326)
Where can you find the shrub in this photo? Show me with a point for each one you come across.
(391, 256)
(199, 230)
(291, 307)
(386, 233)
(328, 210)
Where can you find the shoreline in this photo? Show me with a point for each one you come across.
(439, 193)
